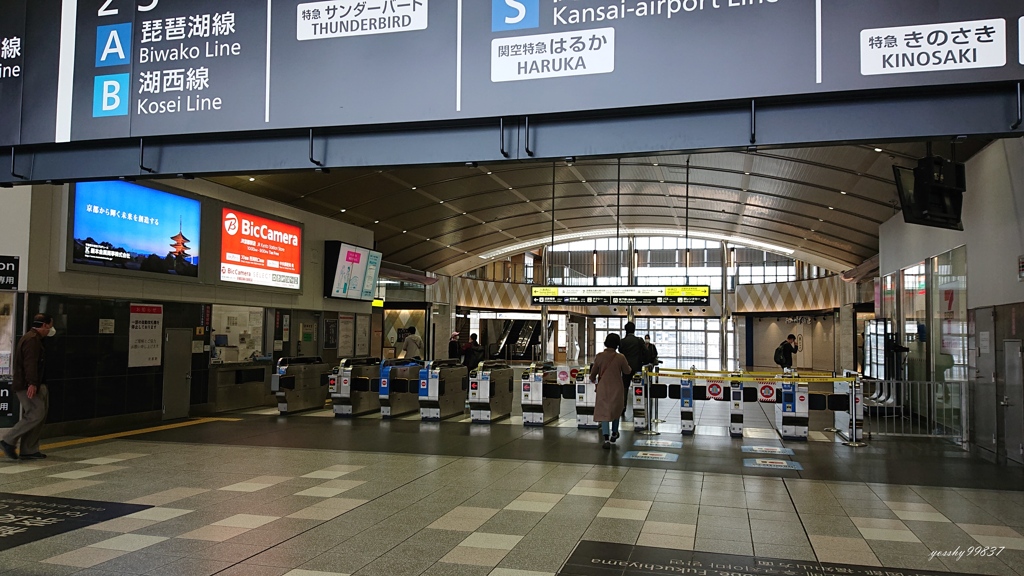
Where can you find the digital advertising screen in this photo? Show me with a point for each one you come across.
(259, 251)
(350, 271)
(125, 226)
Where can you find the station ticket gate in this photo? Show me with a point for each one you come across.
(354, 387)
(490, 391)
(300, 383)
(399, 391)
(443, 389)
(791, 419)
(586, 400)
(542, 393)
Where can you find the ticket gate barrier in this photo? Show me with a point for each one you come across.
(586, 401)
(399, 392)
(791, 419)
(746, 387)
(542, 393)
(443, 389)
(354, 387)
(300, 383)
(638, 393)
(490, 391)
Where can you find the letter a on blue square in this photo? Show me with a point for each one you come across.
(114, 45)
(514, 14)
(111, 95)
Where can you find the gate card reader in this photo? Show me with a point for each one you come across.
(637, 391)
(353, 387)
(791, 412)
(399, 387)
(490, 391)
(300, 383)
(443, 389)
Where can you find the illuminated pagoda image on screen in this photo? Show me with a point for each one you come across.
(127, 226)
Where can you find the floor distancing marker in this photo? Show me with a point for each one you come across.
(91, 439)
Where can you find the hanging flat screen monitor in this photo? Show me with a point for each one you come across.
(136, 229)
(259, 251)
(350, 272)
(932, 193)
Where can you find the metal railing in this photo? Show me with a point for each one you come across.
(916, 409)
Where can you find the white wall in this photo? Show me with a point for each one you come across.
(817, 351)
(14, 228)
(47, 249)
(993, 232)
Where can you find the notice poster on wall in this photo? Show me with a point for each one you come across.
(129, 227)
(362, 335)
(260, 251)
(346, 335)
(145, 335)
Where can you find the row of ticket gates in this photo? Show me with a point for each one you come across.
(443, 389)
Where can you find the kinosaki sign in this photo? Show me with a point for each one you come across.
(157, 67)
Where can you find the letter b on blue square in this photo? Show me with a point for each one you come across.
(114, 45)
(514, 14)
(111, 95)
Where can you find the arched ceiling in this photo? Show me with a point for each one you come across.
(823, 203)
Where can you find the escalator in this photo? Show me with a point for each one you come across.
(520, 338)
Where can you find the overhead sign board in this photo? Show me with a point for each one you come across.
(350, 271)
(621, 295)
(12, 69)
(192, 66)
(259, 251)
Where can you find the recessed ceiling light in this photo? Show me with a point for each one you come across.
(584, 181)
(746, 173)
(509, 187)
(831, 208)
(655, 164)
(463, 213)
(404, 231)
(448, 246)
(442, 201)
(812, 230)
(820, 220)
(843, 192)
(343, 210)
(878, 149)
(662, 181)
(428, 239)
(252, 179)
(376, 221)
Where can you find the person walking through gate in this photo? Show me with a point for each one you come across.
(635, 352)
(474, 353)
(607, 371)
(29, 384)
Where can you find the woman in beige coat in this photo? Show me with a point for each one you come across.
(607, 371)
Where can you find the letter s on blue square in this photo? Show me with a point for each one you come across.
(514, 14)
(114, 45)
(111, 95)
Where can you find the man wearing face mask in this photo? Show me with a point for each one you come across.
(28, 384)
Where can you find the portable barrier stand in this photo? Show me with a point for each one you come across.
(352, 391)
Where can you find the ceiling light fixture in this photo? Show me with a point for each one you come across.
(489, 173)
(343, 210)
(404, 231)
(843, 192)
(831, 208)
(442, 201)
(878, 149)
(251, 179)
(376, 221)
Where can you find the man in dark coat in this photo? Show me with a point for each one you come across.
(636, 354)
(30, 387)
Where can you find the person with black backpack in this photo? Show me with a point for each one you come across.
(784, 353)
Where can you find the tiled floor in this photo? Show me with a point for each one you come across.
(311, 496)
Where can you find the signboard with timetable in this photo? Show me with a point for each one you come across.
(145, 335)
(621, 295)
(260, 251)
(157, 67)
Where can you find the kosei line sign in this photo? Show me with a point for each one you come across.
(12, 69)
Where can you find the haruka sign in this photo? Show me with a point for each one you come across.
(260, 251)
